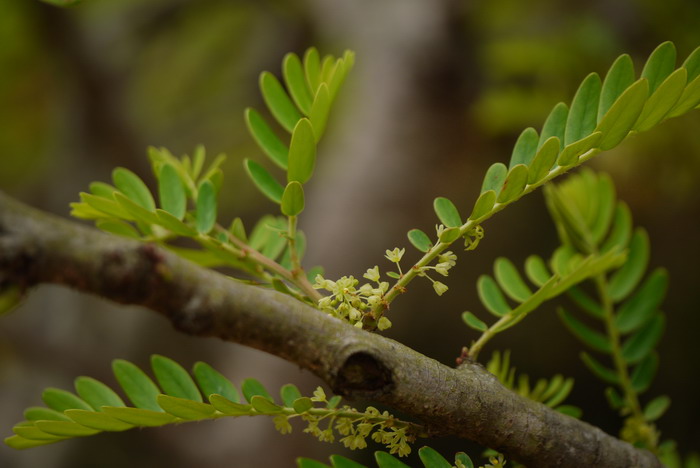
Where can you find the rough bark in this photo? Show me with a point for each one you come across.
(468, 402)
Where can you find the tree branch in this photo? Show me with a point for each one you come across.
(468, 402)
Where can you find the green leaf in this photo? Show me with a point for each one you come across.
(569, 410)
(626, 278)
(266, 138)
(173, 379)
(621, 230)
(536, 270)
(334, 401)
(120, 228)
(601, 371)
(295, 80)
(555, 124)
(544, 159)
(229, 408)
(171, 191)
(618, 79)
(251, 388)
(619, 120)
(447, 212)
(198, 158)
(174, 225)
(583, 332)
(97, 421)
(319, 111)
(96, 394)
(644, 372)
(205, 216)
(688, 100)
(276, 99)
(494, 178)
(514, 184)
(570, 154)
(342, 462)
(289, 393)
(464, 459)
(61, 400)
(584, 110)
(29, 430)
(262, 179)
(238, 230)
(640, 308)
(420, 240)
(302, 405)
(293, 199)
(510, 280)
(263, 405)
(384, 460)
(432, 459)
(133, 187)
(185, 408)
(211, 381)
(38, 413)
(104, 205)
(585, 302)
(660, 64)
(601, 214)
(639, 345)
(491, 296)
(662, 101)
(302, 153)
(64, 428)
(312, 68)
(484, 204)
(474, 322)
(20, 443)
(136, 211)
(136, 384)
(656, 408)
(447, 236)
(525, 148)
(140, 416)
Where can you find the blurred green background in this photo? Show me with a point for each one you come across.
(440, 91)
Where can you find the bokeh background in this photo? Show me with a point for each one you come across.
(441, 89)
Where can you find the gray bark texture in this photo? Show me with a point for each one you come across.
(467, 401)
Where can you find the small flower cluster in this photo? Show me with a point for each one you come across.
(446, 261)
(354, 426)
(349, 302)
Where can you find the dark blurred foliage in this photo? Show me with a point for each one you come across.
(441, 90)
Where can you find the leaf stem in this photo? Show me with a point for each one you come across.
(400, 285)
(630, 394)
(299, 279)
